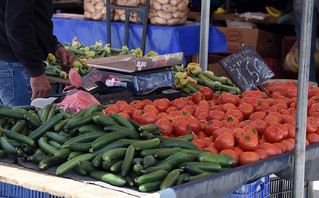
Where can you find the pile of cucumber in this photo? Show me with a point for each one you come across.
(109, 148)
(191, 79)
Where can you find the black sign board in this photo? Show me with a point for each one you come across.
(247, 69)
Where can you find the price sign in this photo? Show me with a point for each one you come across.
(247, 69)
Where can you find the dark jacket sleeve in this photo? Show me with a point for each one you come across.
(54, 44)
(21, 35)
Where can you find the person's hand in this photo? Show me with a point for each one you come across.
(40, 86)
(65, 58)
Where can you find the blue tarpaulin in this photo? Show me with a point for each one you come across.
(162, 39)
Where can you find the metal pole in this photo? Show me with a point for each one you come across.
(302, 98)
(204, 34)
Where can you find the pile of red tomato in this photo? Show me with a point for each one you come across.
(249, 127)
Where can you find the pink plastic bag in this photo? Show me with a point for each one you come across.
(75, 79)
(77, 100)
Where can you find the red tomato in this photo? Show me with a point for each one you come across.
(269, 148)
(182, 127)
(198, 96)
(160, 104)
(229, 98)
(221, 131)
(291, 130)
(212, 149)
(283, 129)
(207, 92)
(111, 109)
(312, 138)
(137, 104)
(216, 114)
(237, 113)
(165, 126)
(260, 126)
(224, 141)
(280, 148)
(137, 116)
(148, 118)
(248, 157)
(273, 134)
(126, 108)
(311, 125)
(246, 109)
(288, 146)
(248, 142)
(238, 132)
(212, 126)
(262, 153)
(238, 150)
(194, 124)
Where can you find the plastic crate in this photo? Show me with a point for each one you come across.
(14, 191)
(256, 189)
(282, 188)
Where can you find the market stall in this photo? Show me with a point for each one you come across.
(162, 39)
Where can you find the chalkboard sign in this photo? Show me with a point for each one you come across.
(246, 68)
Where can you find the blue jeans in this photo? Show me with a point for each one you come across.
(298, 15)
(15, 86)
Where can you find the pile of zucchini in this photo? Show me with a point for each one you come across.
(83, 52)
(109, 148)
(190, 79)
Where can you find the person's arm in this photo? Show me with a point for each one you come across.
(22, 35)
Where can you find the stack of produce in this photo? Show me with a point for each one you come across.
(96, 10)
(191, 79)
(109, 148)
(120, 14)
(249, 127)
(83, 52)
(165, 12)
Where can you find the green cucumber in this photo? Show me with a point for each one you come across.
(90, 128)
(222, 159)
(40, 131)
(181, 178)
(54, 144)
(149, 161)
(166, 167)
(10, 113)
(108, 138)
(117, 153)
(45, 146)
(62, 153)
(68, 165)
(19, 137)
(50, 161)
(45, 113)
(148, 127)
(86, 166)
(113, 145)
(81, 121)
(74, 154)
(36, 158)
(138, 168)
(104, 120)
(147, 152)
(127, 163)
(130, 133)
(9, 148)
(178, 143)
(150, 186)
(134, 123)
(18, 126)
(206, 166)
(174, 160)
(162, 154)
(146, 144)
(110, 178)
(90, 110)
(60, 125)
(116, 167)
(122, 121)
(151, 177)
(171, 179)
(80, 146)
(56, 137)
(97, 160)
(86, 137)
(188, 137)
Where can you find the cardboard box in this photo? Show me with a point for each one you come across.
(267, 44)
(131, 64)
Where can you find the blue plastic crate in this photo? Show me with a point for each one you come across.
(257, 189)
(14, 191)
